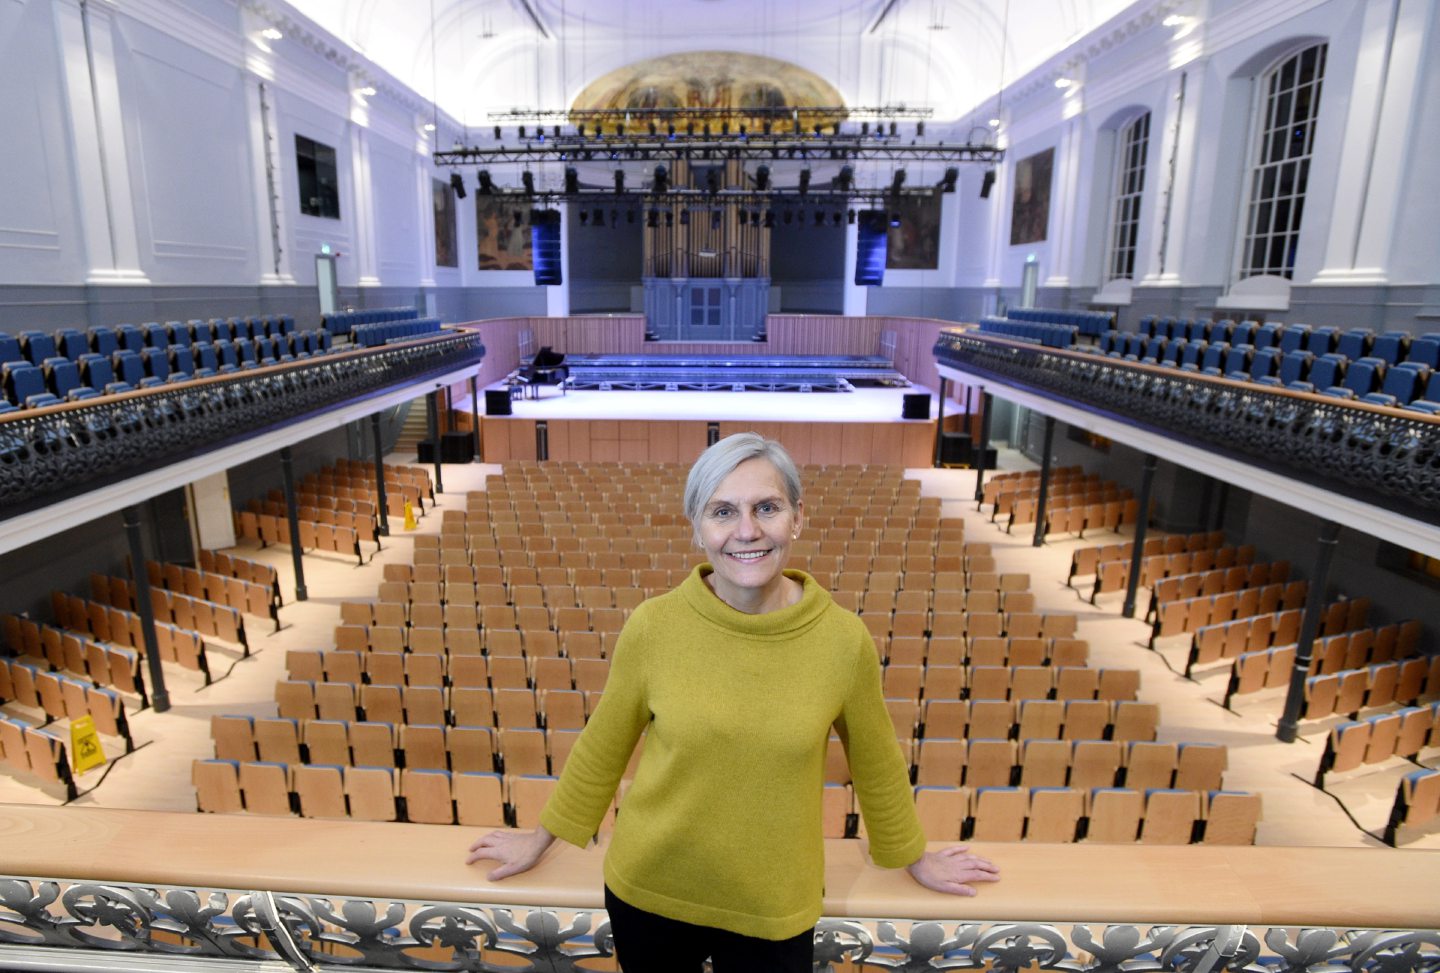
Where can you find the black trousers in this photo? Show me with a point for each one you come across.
(647, 943)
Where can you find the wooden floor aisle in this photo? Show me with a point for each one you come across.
(157, 775)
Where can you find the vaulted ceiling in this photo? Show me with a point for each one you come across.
(477, 56)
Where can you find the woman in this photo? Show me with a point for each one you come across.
(738, 676)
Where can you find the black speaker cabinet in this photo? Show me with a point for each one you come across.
(497, 402)
(457, 447)
(955, 449)
(917, 406)
(425, 451)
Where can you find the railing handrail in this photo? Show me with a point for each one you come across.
(1262, 886)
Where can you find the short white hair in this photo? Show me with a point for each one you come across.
(720, 460)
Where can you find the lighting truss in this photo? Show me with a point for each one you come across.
(703, 200)
(612, 116)
(839, 148)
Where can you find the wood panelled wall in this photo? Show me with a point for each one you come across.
(908, 444)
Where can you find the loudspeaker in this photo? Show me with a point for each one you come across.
(545, 246)
(871, 238)
(425, 451)
(916, 406)
(457, 447)
(986, 182)
(497, 402)
(955, 449)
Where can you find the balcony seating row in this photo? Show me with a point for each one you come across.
(1092, 324)
(1227, 639)
(57, 379)
(341, 322)
(1098, 815)
(63, 697)
(1085, 561)
(1348, 671)
(35, 346)
(218, 619)
(1392, 347)
(1400, 733)
(371, 335)
(1035, 332)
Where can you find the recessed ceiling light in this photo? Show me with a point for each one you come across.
(429, 126)
(272, 34)
(1064, 82)
(368, 91)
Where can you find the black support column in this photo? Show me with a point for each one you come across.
(475, 413)
(292, 513)
(987, 401)
(1289, 725)
(940, 422)
(1142, 522)
(432, 403)
(1044, 482)
(159, 695)
(384, 521)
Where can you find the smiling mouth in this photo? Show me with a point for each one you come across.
(747, 556)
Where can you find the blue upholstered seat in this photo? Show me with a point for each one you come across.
(1322, 341)
(1294, 337)
(1354, 343)
(72, 343)
(37, 346)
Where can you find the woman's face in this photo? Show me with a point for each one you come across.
(746, 529)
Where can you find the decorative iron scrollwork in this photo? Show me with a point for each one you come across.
(1384, 456)
(51, 922)
(47, 457)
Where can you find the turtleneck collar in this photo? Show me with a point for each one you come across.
(780, 624)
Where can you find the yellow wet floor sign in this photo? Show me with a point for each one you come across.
(410, 523)
(85, 746)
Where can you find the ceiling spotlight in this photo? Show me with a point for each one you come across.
(846, 179)
(1063, 83)
(662, 179)
(497, 133)
(715, 219)
(894, 129)
(712, 180)
(864, 128)
(487, 186)
(653, 129)
(629, 216)
(766, 127)
(669, 219)
(947, 182)
(986, 183)
(584, 218)
(789, 217)
(572, 181)
(684, 217)
(897, 181)
(368, 91)
(769, 218)
(670, 130)
(580, 130)
(652, 219)
(836, 218)
(920, 130)
(457, 183)
(762, 178)
(1176, 20)
(522, 131)
(994, 123)
(819, 218)
(804, 180)
(724, 128)
(599, 218)
(619, 180)
(895, 218)
(272, 34)
(850, 216)
(614, 218)
(527, 179)
(620, 129)
(429, 126)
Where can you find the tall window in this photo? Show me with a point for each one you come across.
(1130, 148)
(319, 178)
(1290, 104)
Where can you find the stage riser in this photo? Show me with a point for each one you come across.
(910, 444)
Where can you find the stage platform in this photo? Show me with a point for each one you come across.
(721, 372)
(863, 426)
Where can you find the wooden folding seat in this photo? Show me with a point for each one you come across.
(957, 625)
(523, 751)
(991, 719)
(1119, 684)
(946, 718)
(1026, 652)
(1135, 721)
(903, 682)
(942, 811)
(371, 792)
(1095, 763)
(1044, 762)
(470, 748)
(1382, 680)
(515, 708)
(294, 699)
(509, 672)
(1384, 735)
(989, 682)
(234, 737)
(590, 674)
(1030, 682)
(989, 651)
(1350, 695)
(424, 705)
(343, 666)
(550, 672)
(304, 664)
(989, 763)
(479, 799)
(277, 740)
(528, 795)
(559, 743)
(1040, 719)
(1200, 766)
(1149, 764)
(336, 700)
(940, 761)
(941, 682)
(906, 651)
(999, 813)
(373, 744)
(265, 786)
(1348, 744)
(327, 742)
(1054, 814)
(1114, 815)
(217, 786)
(1230, 818)
(384, 669)
(1170, 817)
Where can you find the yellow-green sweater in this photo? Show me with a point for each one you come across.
(721, 825)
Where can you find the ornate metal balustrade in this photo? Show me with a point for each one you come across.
(67, 450)
(55, 921)
(1378, 455)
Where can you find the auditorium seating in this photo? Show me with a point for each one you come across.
(1417, 803)
(1036, 332)
(1399, 733)
(371, 335)
(64, 697)
(63, 650)
(35, 751)
(343, 322)
(1092, 324)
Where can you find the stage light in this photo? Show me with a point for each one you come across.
(920, 130)
(712, 181)
(580, 130)
(619, 181)
(684, 217)
(272, 34)
(517, 217)
(725, 128)
(652, 219)
(670, 129)
(864, 128)
(620, 129)
(766, 126)
(742, 130)
(894, 129)
(804, 180)
(497, 133)
(835, 218)
(429, 126)
(818, 131)
(769, 218)
(629, 216)
(846, 178)
(522, 131)
(669, 219)
(1063, 83)
(762, 178)
(572, 181)
(715, 220)
(789, 217)
(584, 218)
(994, 123)
(487, 186)
(662, 180)
(614, 218)
(457, 183)
(653, 130)
(897, 181)
(986, 182)
(895, 218)
(598, 219)
(819, 218)
(556, 131)
(947, 182)
(527, 179)
(850, 216)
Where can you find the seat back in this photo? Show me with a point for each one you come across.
(62, 375)
(129, 366)
(1219, 330)
(1425, 350)
(22, 380)
(201, 331)
(96, 371)
(72, 343)
(1294, 337)
(1238, 360)
(1322, 341)
(1193, 352)
(131, 337)
(1295, 366)
(10, 349)
(182, 359)
(205, 357)
(1215, 356)
(1265, 363)
(179, 333)
(1364, 376)
(155, 335)
(1327, 370)
(157, 363)
(1267, 336)
(37, 346)
(104, 340)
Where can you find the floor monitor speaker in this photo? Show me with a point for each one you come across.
(497, 402)
(917, 406)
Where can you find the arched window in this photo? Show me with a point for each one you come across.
(1283, 142)
(1131, 144)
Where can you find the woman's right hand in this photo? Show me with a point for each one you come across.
(516, 851)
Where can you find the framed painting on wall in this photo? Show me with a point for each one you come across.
(503, 244)
(1030, 211)
(444, 201)
(915, 243)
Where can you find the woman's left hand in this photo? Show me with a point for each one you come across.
(951, 870)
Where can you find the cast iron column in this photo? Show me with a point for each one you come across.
(475, 413)
(432, 402)
(940, 423)
(1289, 724)
(287, 471)
(986, 402)
(1044, 482)
(384, 522)
(1142, 521)
(159, 695)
